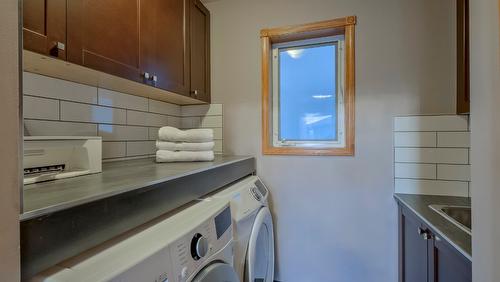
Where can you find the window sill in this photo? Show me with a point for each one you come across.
(347, 151)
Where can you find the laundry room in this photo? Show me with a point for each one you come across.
(250, 141)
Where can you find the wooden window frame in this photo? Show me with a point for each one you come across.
(341, 26)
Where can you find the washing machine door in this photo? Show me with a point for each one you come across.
(260, 254)
(217, 272)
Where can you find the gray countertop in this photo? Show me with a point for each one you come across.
(419, 204)
(116, 178)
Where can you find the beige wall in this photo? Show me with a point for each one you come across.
(485, 127)
(9, 146)
(335, 216)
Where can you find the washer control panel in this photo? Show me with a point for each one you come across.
(191, 252)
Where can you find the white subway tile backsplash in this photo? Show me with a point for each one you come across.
(190, 122)
(211, 121)
(218, 146)
(110, 132)
(217, 133)
(421, 171)
(120, 100)
(202, 110)
(146, 119)
(40, 108)
(89, 113)
(431, 123)
(432, 155)
(453, 172)
(164, 108)
(453, 139)
(431, 187)
(415, 139)
(39, 85)
(128, 124)
(140, 148)
(111, 150)
(174, 121)
(153, 133)
(58, 128)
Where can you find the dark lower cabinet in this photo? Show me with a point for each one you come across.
(446, 264)
(425, 257)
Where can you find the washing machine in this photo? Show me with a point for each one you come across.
(193, 245)
(252, 227)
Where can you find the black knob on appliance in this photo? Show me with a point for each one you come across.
(199, 246)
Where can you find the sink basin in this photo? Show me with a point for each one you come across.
(458, 215)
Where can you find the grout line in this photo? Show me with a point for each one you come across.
(432, 179)
(426, 131)
(431, 115)
(60, 109)
(431, 163)
(436, 171)
(413, 147)
(92, 104)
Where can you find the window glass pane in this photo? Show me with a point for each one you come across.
(307, 89)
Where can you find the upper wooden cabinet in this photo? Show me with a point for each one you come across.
(161, 43)
(200, 51)
(104, 35)
(44, 27)
(164, 46)
(463, 72)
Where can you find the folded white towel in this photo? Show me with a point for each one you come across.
(164, 156)
(184, 146)
(168, 133)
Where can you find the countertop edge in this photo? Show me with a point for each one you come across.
(458, 248)
(67, 205)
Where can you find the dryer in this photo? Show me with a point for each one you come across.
(253, 228)
(193, 245)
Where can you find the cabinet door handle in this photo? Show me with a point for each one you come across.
(54, 51)
(146, 75)
(195, 92)
(155, 78)
(424, 233)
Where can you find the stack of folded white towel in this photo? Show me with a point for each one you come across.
(175, 145)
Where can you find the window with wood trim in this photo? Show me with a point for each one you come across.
(308, 89)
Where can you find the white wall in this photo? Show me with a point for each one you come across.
(485, 128)
(10, 173)
(335, 216)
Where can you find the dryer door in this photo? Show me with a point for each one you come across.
(217, 272)
(260, 254)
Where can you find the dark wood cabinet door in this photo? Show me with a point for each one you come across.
(463, 68)
(104, 35)
(412, 249)
(164, 46)
(446, 264)
(200, 51)
(44, 27)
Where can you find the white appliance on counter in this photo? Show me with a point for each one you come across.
(193, 245)
(56, 157)
(253, 228)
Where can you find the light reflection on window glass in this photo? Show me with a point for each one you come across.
(307, 77)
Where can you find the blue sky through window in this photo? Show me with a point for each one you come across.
(307, 84)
